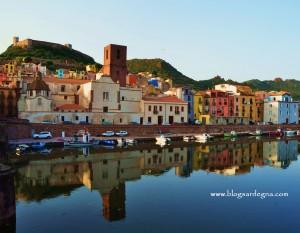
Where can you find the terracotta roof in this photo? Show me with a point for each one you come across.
(66, 80)
(166, 99)
(278, 93)
(70, 107)
(246, 90)
(38, 84)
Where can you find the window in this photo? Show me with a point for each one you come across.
(78, 87)
(118, 54)
(39, 101)
(149, 119)
(62, 118)
(105, 109)
(106, 54)
(182, 119)
(149, 108)
(171, 108)
(65, 97)
(31, 93)
(182, 109)
(76, 118)
(123, 98)
(105, 96)
(160, 108)
(62, 88)
(120, 120)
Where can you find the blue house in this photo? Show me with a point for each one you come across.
(186, 94)
(279, 108)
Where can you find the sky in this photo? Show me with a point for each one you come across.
(236, 39)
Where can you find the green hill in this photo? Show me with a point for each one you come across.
(163, 69)
(160, 68)
(54, 55)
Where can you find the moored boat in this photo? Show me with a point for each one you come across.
(203, 137)
(38, 145)
(230, 134)
(108, 142)
(188, 138)
(77, 144)
(277, 133)
(162, 140)
(290, 133)
(257, 132)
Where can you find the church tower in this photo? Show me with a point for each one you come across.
(115, 57)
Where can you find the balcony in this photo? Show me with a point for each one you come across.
(155, 112)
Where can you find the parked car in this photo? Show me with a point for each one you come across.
(122, 133)
(108, 134)
(42, 135)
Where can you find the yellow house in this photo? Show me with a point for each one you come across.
(9, 68)
(201, 107)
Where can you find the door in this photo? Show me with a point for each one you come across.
(159, 120)
(171, 119)
(141, 120)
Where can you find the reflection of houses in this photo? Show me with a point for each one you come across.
(106, 173)
(280, 153)
(227, 159)
(158, 160)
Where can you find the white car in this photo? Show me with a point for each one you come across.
(122, 133)
(42, 135)
(108, 134)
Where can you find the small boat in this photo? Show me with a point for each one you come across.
(37, 145)
(231, 134)
(162, 140)
(131, 141)
(290, 133)
(121, 142)
(108, 142)
(203, 137)
(277, 133)
(188, 138)
(256, 133)
(22, 147)
(45, 151)
(77, 144)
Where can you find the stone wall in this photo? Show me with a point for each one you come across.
(150, 130)
(14, 129)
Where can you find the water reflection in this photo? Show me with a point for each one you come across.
(108, 172)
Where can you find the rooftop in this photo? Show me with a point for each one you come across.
(66, 80)
(70, 107)
(166, 99)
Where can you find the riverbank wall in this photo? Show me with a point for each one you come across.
(18, 129)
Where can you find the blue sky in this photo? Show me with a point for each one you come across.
(237, 39)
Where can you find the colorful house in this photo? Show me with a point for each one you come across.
(279, 108)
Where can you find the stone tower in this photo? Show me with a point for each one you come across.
(115, 63)
(15, 40)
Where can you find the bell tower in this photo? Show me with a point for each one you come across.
(115, 57)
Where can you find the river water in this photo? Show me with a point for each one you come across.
(152, 189)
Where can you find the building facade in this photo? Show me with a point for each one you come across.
(279, 108)
(163, 110)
